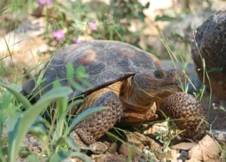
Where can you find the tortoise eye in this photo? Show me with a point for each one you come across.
(159, 74)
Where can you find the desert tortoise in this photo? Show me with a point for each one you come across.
(128, 81)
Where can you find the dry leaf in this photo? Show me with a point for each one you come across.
(183, 146)
(207, 150)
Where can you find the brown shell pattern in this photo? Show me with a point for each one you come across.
(104, 61)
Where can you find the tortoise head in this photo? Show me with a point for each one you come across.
(147, 88)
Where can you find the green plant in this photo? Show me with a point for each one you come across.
(29, 119)
(57, 132)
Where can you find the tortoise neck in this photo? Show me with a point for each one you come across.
(134, 97)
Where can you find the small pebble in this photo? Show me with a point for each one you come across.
(98, 147)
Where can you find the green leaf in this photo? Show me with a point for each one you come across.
(56, 83)
(62, 105)
(61, 108)
(32, 158)
(5, 101)
(17, 135)
(81, 73)
(18, 95)
(70, 77)
(56, 157)
(72, 145)
(70, 71)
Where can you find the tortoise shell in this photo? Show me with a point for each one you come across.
(104, 62)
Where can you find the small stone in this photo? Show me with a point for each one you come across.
(108, 158)
(183, 155)
(72, 160)
(32, 143)
(98, 147)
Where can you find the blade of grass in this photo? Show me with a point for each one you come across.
(115, 137)
(18, 95)
(17, 135)
(62, 105)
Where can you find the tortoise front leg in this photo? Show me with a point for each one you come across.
(188, 114)
(95, 126)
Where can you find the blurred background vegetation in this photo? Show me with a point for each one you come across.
(30, 31)
(162, 27)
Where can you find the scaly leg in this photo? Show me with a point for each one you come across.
(95, 126)
(188, 113)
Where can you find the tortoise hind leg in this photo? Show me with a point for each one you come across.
(95, 126)
(188, 113)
